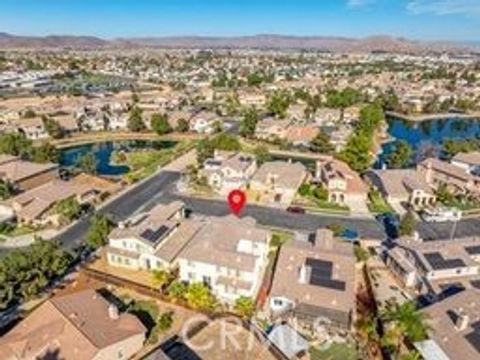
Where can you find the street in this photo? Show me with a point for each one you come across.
(160, 189)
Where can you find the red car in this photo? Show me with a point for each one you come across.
(296, 210)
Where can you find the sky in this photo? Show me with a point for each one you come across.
(457, 20)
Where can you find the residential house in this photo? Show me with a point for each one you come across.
(314, 281)
(227, 171)
(344, 185)
(78, 326)
(271, 129)
(203, 122)
(454, 328)
(301, 135)
(468, 161)
(434, 267)
(32, 128)
(277, 182)
(229, 254)
(402, 186)
(457, 179)
(36, 206)
(25, 175)
(151, 240)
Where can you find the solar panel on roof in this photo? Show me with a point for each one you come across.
(321, 274)
(474, 339)
(437, 262)
(473, 250)
(153, 235)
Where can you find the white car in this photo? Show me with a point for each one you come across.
(442, 215)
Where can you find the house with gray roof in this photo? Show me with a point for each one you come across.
(314, 281)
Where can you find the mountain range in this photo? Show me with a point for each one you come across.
(266, 41)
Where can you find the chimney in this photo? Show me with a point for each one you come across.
(462, 320)
(113, 312)
(303, 274)
(429, 172)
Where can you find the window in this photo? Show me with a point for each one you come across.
(127, 261)
(207, 280)
(277, 302)
(120, 354)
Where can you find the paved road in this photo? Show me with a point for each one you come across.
(160, 189)
(280, 218)
(123, 206)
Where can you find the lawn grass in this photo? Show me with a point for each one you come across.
(280, 237)
(144, 163)
(377, 203)
(336, 351)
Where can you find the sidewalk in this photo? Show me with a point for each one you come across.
(27, 239)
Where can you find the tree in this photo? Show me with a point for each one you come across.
(249, 122)
(160, 124)
(245, 307)
(29, 114)
(177, 289)
(53, 128)
(135, 121)
(410, 321)
(6, 189)
(165, 321)
(87, 163)
(357, 152)
(226, 142)
(205, 150)
(182, 125)
(69, 209)
(160, 278)
(44, 153)
(262, 154)
(278, 103)
(321, 143)
(15, 144)
(407, 224)
(100, 227)
(401, 156)
(217, 126)
(199, 296)
(25, 272)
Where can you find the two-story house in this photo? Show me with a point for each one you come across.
(314, 281)
(151, 240)
(343, 184)
(227, 171)
(229, 254)
(276, 182)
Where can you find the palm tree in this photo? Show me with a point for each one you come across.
(408, 319)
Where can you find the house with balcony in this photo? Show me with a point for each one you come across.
(152, 240)
(344, 185)
(227, 171)
(228, 254)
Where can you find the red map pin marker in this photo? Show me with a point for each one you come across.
(236, 201)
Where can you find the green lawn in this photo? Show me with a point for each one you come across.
(336, 351)
(280, 237)
(144, 163)
(377, 203)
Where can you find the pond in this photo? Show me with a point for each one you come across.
(426, 137)
(103, 153)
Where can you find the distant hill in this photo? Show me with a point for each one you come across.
(267, 41)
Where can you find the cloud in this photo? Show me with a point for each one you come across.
(359, 3)
(445, 7)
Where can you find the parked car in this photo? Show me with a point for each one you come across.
(296, 210)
